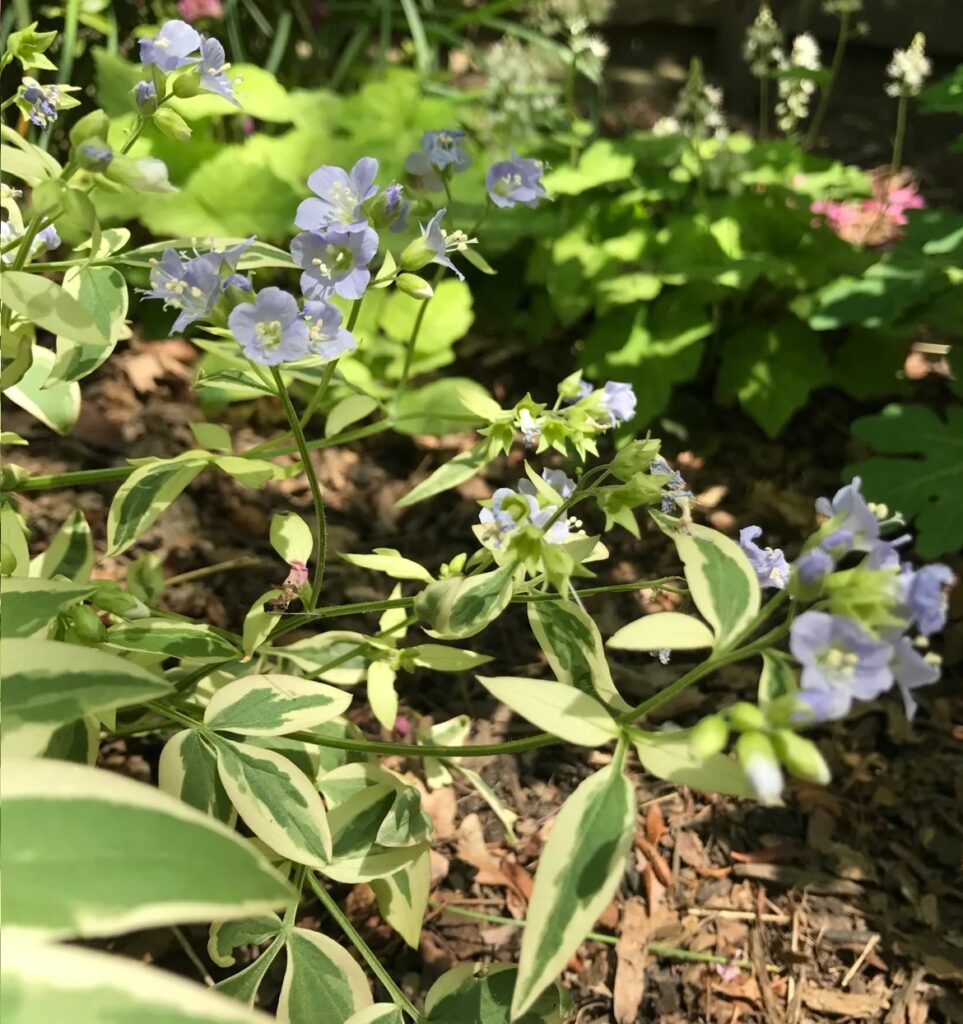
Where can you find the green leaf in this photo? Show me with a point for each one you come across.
(601, 164)
(670, 630)
(187, 640)
(381, 693)
(102, 291)
(392, 563)
(378, 1013)
(554, 707)
(772, 371)
(462, 606)
(28, 605)
(403, 898)
(778, 678)
(446, 659)
(667, 755)
(45, 303)
(315, 653)
(56, 407)
(291, 537)
(93, 853)
(273, 705)
(226, 936)
(244, 985)
(212, 436)
(349, 410)
(441, 407)
(320, 973)
(250, 472)
(482, 994)
(573, 647)
(925, 484)
(722, 583)
(70, 553)
(449, 474)
(47, 983)
(145, 494)
(276, 800)
(578, 873)
(77, 741)
(188, 770)
(49, 681)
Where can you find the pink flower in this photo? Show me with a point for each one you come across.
(839, 215)
(194, 10)
(902, 199)
(297, 575)
(402, 726)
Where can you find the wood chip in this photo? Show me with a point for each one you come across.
(845, 1004)
(631, 958)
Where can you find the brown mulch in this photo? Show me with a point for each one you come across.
(851, 893)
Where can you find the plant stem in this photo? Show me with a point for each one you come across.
(397, 996)
(188, 949)
(826, 92)
(318, 396)
(410, 347)
(320, 532)
(897, 160)
(243, 562)
(657, 949)
(763, 106)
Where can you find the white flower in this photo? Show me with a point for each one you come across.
(795, 94)
(909, 69)
(762, 48)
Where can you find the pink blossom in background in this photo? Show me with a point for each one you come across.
(902, 199)
(873, 221)
(402, 726)
(297, 575)
(193, 10)
(839, 215)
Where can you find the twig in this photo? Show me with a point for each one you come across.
(183, 942)
(860, 960)
(737, 915)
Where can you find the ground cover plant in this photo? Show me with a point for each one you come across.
(268, 794)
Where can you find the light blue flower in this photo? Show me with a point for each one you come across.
(515, 181)
(618, 400)
(43, 101)
(145, 93)
(849, 507)
(841, 662)
(340, 195)
(334, 261)
(769, 564)
(191, 287)
(813, 565)
(47, 239)
(441, 153)
(924, 595)
(441, 242)
(559, 481)
(911, 671)
(270, 329)
(213, 68)
(511, 509)
(676, 489)
(172, 48)
(326, 337)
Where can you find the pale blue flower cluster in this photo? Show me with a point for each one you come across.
(770, 565)
(44, 240)
(844, 658)
(442, 154)
(178, 45)
(518, 180)
(43, 102)
(676, 492)
(511, 509)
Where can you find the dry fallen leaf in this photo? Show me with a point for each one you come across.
(845, 1004)
(631, 957)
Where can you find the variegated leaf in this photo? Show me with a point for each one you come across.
(320, 973)
(188, 770)
(190, 641)
(462, 606)
(577, 876)
(403, 898)
(382, 696)
(273, 705)
(226, 936)
(70, 553)
(482, 994)
(669, 630)
(29, 605)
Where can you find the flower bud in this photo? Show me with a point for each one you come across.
(94, 125)
(800, 756)
(94, 155)
(417, 254)
(416, 287)
(709, 737)
(145, 175)
(387, 208)
(8, 560)
(172, 124)
(187, 84)
(87, 625)
(744, 717)
(759, 762)
(112, 598)
(145, 97)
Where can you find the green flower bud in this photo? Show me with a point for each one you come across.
(94, 125)
(758, 759)
(172, 124)
(417, 254)
(94, 154)
(11, 475)
(187, 84)
(416, 287)
(744, 717)
(87, 625)
(109, 596)
(146, 174)
(8, 560)
(787, 711)
(709, 737)
(800, 756)
(635, 457)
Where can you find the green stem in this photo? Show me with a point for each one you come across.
(657, 949)
(316, 399)
(764, 106)
(826, 92)
(897, 161)
(67, 47)
(410, 347)
(244, 562)
(320, 532)
(397, 996)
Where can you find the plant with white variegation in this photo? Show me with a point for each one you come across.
(256, 727)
